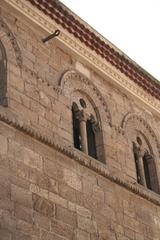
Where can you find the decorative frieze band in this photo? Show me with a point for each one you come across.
(81, 158)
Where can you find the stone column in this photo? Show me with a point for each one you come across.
(83, 131)
(142, 174)
(139, 162)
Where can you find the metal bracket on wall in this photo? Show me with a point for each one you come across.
(55, 34)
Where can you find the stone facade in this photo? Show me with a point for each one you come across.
(49, 190)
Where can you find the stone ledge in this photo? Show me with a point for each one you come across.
(80, 157)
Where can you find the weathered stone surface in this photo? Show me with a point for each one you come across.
(21, 196)
(87, 224)
(5, 235)
(83, 211)
(62, 229)
(50, 236)
(67, 192)
(82, 235)
(23, 213)
(55, 198)
(33, 160)
(19, 235)
(72, 179)
(49, 190)
(26, 228)
(41, 221)
(40, 191)
(7, 221)
(3, 144)
(66, 216)
(43, 206)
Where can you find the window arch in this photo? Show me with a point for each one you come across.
(3, 75)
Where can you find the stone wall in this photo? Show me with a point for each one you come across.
(47, 195)
(48, 189)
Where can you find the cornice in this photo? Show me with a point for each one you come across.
(89, 56)
(80, 157)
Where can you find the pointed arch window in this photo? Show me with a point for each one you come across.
(3, 75)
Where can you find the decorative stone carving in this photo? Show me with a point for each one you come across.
(81, 115)
(140, 124)
(5, 28)
(73, 80)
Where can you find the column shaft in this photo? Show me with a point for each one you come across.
(84, 136)
(141, 169)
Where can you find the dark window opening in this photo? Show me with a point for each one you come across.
(83, 103)
(146, 172)
(137, 169)
(91, 140)
(76, 129)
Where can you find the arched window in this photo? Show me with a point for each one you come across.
(86, 131)
(145, 165)
(3, 75)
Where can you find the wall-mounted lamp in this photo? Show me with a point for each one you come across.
(55, 34)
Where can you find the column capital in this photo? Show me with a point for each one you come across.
(148, 156)
(137, 150)
(81, 115)
(139, 164)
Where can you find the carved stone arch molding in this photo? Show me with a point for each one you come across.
(6, 34)
(140, 124)
(145, 148)
(74, 81)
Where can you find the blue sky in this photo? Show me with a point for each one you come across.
(131, 25)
